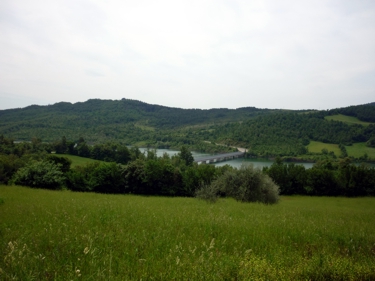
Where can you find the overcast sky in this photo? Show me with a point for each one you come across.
(293, 54)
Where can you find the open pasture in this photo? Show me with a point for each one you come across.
(355, 150)
(317, 146)
(347, 119)
(77, 160)
(359, 149)
(62, 235)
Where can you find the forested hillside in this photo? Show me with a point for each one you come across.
(364, 112)
(264, 132)
(97, 120)
(289, 133)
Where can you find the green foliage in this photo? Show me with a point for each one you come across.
(208, 193)
(287, 133)
(63, 162)
(364, 112)
(152, 177)
(109, 151)
(247, 184)
(40, 174)
(344, 153)
(100, 120)
(97, 177)
(326, 178)
(371, 142)
(291, 178)
(198, 176)
(9, 164)
(264, 132)
(186, 156)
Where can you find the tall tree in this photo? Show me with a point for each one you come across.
(186, 155)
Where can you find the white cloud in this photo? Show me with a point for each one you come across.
(200, 54)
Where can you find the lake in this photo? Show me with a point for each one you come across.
(234, 162)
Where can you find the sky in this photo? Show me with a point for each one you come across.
(291, 54)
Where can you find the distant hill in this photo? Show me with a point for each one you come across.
(364, 112)
(100, 119)
(264, 131)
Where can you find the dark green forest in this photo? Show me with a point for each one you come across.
(99, 120)
(265, 132)
(363, 112)
(287, 134)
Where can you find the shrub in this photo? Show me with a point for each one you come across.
(208, 193)
(248, 184)
(107, 178)
(9, 164)
(153, 177)
(43, 174)
(64, 162)
(96, 177)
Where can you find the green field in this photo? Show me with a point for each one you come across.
(76, 160)
(316, 147)
(356, 150)
(61, 235)
(359, 149)
(347, 119)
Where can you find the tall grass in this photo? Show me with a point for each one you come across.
(61, 235)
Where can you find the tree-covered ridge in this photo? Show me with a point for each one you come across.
(289, 133)
(264, 132)
(364, 112)
(110, 118)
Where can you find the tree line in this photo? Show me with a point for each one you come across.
(147, 174)
(325, 178)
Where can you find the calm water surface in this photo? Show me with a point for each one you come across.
(234, 163)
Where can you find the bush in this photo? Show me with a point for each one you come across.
(96, 177)
(208, 193)
(107, 178)
(42, 174)
(64, 162)
(153, 177)
(9, 164)
(247, 184)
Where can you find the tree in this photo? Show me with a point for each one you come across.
(186, 155)
(291, 178)
(371, 142)
(63, 162)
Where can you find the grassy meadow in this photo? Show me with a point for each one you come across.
(359, 149)
(62, 235)
(77, 160)
(317, 146)
(356, 150)
(347, 119)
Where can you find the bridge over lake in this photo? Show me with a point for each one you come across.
(219, 157)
